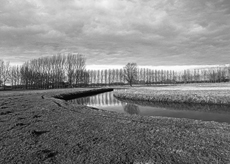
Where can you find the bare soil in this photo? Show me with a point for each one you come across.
(35, 127)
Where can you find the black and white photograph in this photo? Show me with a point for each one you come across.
(115, 81)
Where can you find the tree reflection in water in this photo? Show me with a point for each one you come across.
(182, 106)
(131, 109)
(104, 99)
(81, 101)
(107, 99)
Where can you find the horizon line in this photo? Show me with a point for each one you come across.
(166, 67)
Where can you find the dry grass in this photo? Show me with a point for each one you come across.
(36, 128)
(179, 94)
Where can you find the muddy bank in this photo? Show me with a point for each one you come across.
(74, 95)
(37, 128)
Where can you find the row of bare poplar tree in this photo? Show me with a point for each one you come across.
(150, 76)
(69, 70)
(47, 72)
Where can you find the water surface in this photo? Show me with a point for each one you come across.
(108, 102)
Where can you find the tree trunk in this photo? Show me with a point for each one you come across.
(130, 83)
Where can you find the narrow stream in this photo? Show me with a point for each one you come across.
(108, 102)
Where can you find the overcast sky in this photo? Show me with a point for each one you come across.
(148, 32)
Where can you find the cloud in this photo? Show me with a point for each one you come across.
(166, 32)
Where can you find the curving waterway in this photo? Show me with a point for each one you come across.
(108, 102)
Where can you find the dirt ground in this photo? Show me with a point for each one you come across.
(37, 128)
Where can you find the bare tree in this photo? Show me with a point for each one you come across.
(13, 76)
(4, 72)
(75, 68)
(80, 71)
(130, 73)
(70, 61)
(1, 71)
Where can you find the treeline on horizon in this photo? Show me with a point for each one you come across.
(69, 70)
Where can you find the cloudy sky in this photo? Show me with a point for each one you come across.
(148, 32)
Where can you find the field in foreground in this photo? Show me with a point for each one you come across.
(37, 128)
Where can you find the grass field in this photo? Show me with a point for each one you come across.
(35, 127)
(194, 93)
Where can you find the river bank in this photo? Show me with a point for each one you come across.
(178, 94)
(35, 127)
